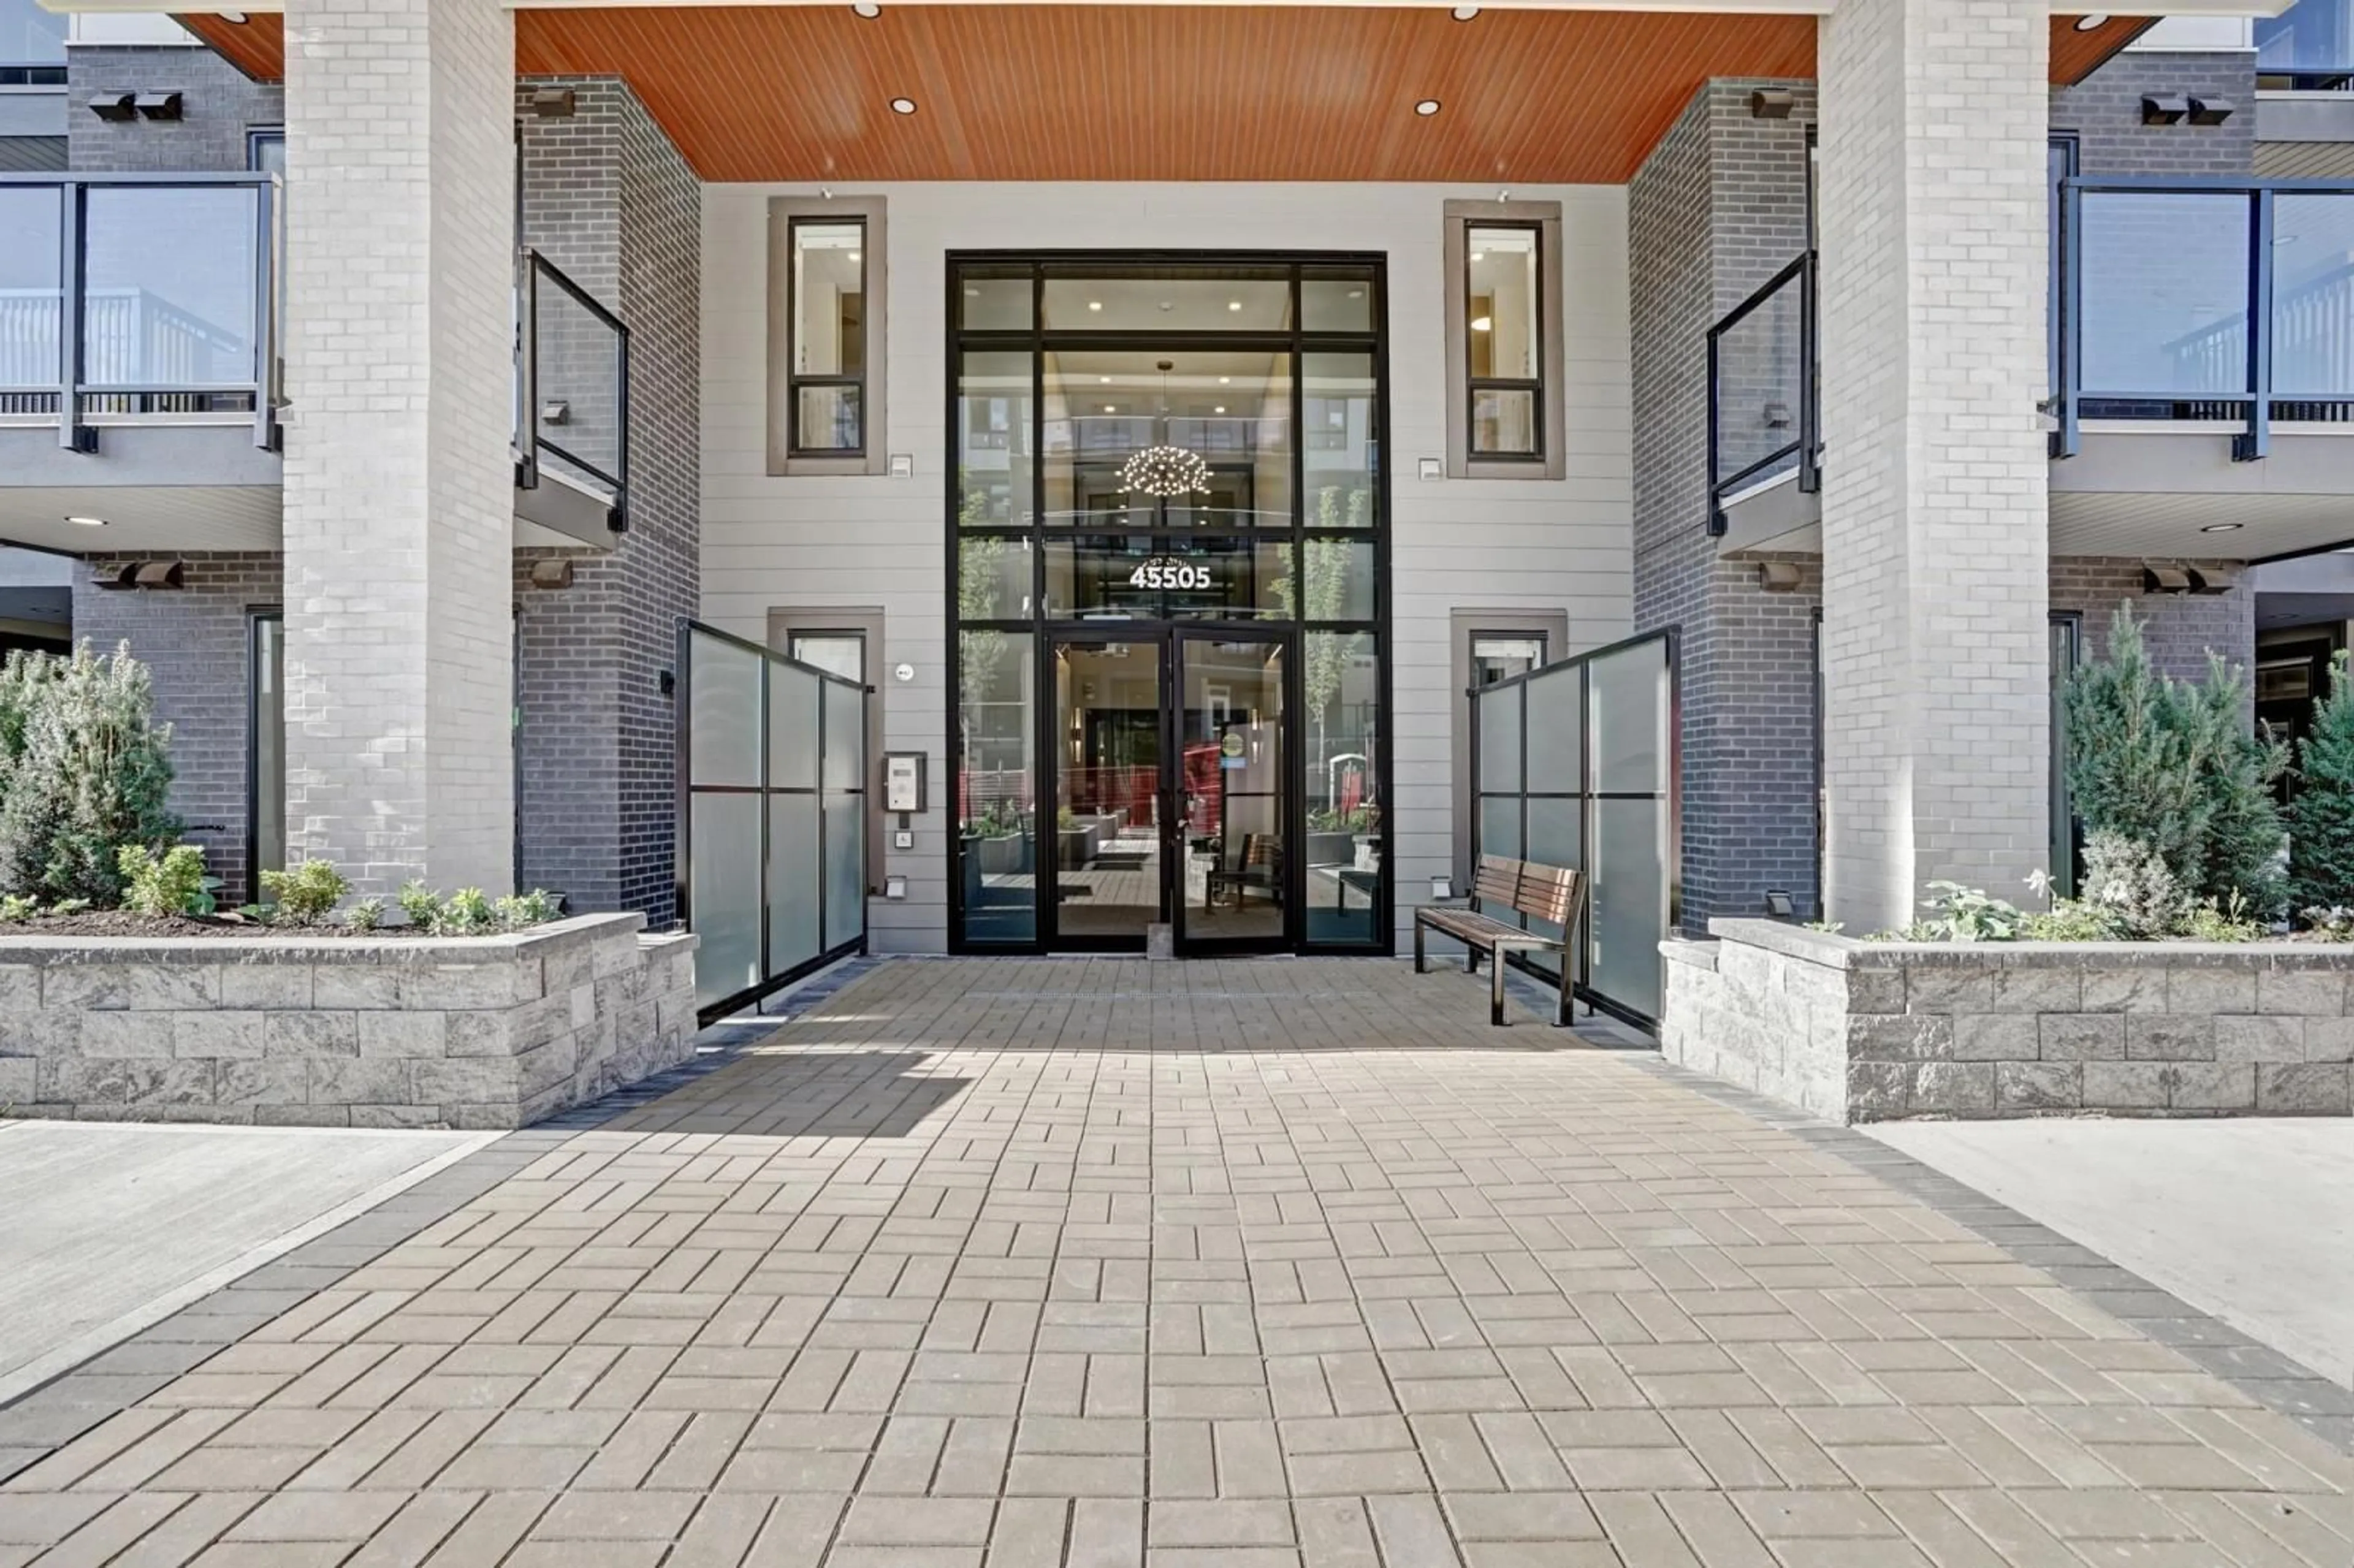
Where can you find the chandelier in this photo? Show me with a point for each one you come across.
(1161, 470)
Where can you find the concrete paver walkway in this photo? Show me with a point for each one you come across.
(1059, 1265)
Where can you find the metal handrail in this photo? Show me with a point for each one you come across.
(73, 382)
(1808, 446)
(532, 268)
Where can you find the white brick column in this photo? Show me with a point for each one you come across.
(400, 499)
(1934, 117)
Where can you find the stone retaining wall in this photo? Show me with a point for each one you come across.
(477, 1032)
(1883, 1031)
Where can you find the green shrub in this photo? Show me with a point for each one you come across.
(2173, 766)
(167, 885)
(420, 905)
(466, 913)
(2209, 921)
(2321, 818)
(2128, 883)
(2333, 921)
(91, 776)
(365, 915)
(306, 893)
(16, 908)
(1959, 914)
(521, 911)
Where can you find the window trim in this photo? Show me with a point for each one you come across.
(1550, 459)
(785, 458)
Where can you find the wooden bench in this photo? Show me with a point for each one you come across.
(1261, 867)
(1541, 892)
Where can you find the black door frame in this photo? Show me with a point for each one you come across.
(1292, 801)
(1054, 636)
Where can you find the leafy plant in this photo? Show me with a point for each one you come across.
(87, 774)
(1356, 820)
(2321, 818)
(521, 911)
(2209, 921)
(466, 913)
(307, 892)
(1828, 928)
(1959, 914)
(365, 915)
(2130, 885)
(160, 884)
(2333, 922)
(2172, 764)
(70, 906)
(1066, 820)
(420, 906)
(259, 913)
(16, 908)
(2069, 920)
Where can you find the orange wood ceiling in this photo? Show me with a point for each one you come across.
(1130, 92)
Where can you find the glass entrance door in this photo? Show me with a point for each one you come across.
(1234, 783)
(1111, 810)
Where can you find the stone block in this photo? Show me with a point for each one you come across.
(2039, 1085)
(2306, 1089)
(584, 1004)
(2194, 989)
(20, 988)
(311, 1034)
(488, 1117)
(2165, 1037)
(1954, 1088)
(359, 1081)
(20, 1081)
(221, 1035)
(397, 1117)
(2125, 1086)
(2329, 1039)
(500, 981)
(567, 965)
(471, 1080)
(1900, 1037)
(121, 1081)
(49, 1032)
(1996, 1037)
(128, 1034)
(301, 1116)
(2081, 1036)
(266, 987)
(2211, 1085)
(2314, 993)
(355, 985)
(1948, 988)
(482, 1033)
(280, 1083)
(2038, 987)
(104, 987)
(616, 955)
(2252, 1037)
(537, 1069)
(1874, 990)
(403, 1033)
(2124, 990)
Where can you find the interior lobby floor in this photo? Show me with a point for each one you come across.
(1011, 1264)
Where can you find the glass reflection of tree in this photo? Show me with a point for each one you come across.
(981, 580)
(1325, 661)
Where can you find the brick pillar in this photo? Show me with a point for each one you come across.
(400, 499)
(1935, 591)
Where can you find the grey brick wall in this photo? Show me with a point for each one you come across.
(608, 199)
(2104, 111)
(2179, 629)
(218, 104)
(195, 640)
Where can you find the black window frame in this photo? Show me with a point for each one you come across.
(256, 616)
(1475, 384)
(794, 379)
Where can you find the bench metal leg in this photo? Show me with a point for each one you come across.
(1471, 957)
(1421, 966)
(1496, 994)
(1564, 1007)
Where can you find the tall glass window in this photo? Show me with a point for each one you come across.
(1144, 449)
(829, 342)
(1505, 340)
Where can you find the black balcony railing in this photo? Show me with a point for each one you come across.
(139, 295)
(2222, 301)
(2204, 299)
(1763, 391)
(572, 386)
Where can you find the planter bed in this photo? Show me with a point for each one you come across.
(1883, 1031)
(326, 1029)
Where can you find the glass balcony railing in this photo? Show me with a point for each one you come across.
(2204, 299)
(1763, 391)
(2190, 300)
(159, 298)
(2307, 48)
(138, 295)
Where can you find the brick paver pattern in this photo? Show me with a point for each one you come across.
(1023, 1264)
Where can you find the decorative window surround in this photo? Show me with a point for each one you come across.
(1460, 217)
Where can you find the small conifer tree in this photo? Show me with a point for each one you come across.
(2321, 818)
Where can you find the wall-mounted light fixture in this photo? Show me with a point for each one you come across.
(1778, 903)
(1772, 103)
(1777, 415)
(2211, 111)
(556, 574)
(1779, 577)
(556, 411)
(1442, 888)
(1429, 470)
(2213, 579)
(554, 102)
(2163, 111)
(158, 105)
(117, 107)
(895, 887)
(2159, 578)
(154, 575)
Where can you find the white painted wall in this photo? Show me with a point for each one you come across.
(860, 541)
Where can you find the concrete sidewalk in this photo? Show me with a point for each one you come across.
(111, 1227)
(2249, 1219)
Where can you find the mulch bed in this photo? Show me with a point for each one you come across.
(122, 923)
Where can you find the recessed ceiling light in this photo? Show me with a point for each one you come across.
(1219, 409)
(1465, 13)
(1356, 294)
(1234, 304)
(1226, 380)
(867, 8)
(234, 18)
(1427, 108)
(970, 293)
(2087, 23)
(2223, 527)
(1478, 256)
(903, 106)
(87, 522)
(1111, 408)
(853, 256)
(1106, 381)
(1095, 304)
